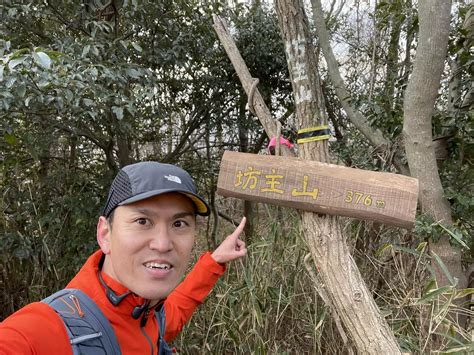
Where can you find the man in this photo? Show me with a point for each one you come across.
(146, 235)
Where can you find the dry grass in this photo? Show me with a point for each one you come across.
(267, 303)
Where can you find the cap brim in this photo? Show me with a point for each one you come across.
(202, 207)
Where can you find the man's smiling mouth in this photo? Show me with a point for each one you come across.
(160, 266)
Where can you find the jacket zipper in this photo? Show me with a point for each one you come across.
(142, 329)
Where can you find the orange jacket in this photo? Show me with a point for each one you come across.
(37, 329)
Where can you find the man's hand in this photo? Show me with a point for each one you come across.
(232, 247)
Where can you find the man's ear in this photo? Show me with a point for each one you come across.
(103, 234)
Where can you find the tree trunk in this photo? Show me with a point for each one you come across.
(410, 36)
(244, 148)
(212, 243)
(122, 141)
(420, 96)
(373, 135)
(391, 66)
(347, 293)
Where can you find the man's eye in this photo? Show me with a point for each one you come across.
(142, 221)
(180, 224)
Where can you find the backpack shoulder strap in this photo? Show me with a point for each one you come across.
(163, 347)
(89, 330)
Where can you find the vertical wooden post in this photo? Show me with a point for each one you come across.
(346, 290)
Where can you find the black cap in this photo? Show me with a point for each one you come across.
(143, 180)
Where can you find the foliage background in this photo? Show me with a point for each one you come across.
(87, 87)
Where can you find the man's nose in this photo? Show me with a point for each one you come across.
(161, 240)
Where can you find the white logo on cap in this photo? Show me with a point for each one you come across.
(173, 178)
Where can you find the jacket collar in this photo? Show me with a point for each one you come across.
(87, 280)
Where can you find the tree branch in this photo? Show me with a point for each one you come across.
(373, 135)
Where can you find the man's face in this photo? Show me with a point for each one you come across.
(149, 244)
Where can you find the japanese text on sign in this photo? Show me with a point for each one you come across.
(249, 180)
(273, 183)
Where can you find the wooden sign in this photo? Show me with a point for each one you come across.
(319, 187)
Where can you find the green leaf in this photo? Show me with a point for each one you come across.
(406, 250)
(42, 59)
(10, 81)
(10, 138)
(69, 95)
(431, 285)
(434, 293)
(6, 104)
(54, 54)
(27, 101)
(133, 73)
(382, 250)
(12, 12)
(458, 347)
(2, 68)
(444, 268)
(60, 102)
(92, 114)
(88, 102)
(464, 292)
(21, 90)
(137, 47)
(421, 247)
(118, 112)
(21, 253)
(14, 62)
(464, 349)
(19, 53)
(131, 109)
(86, 50)
(455, 236)
(43, 83)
